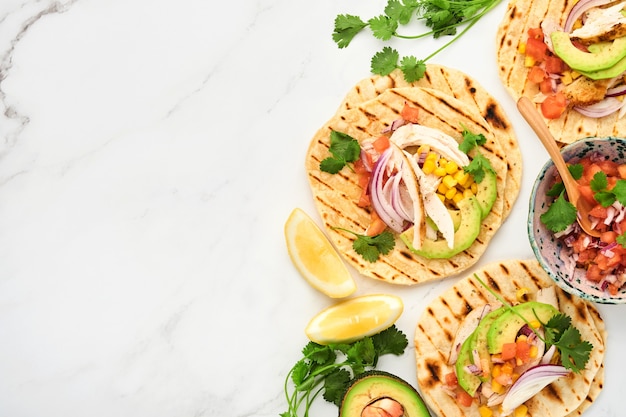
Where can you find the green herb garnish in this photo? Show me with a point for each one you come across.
(443, 17)
(344, 150)
(328, 369)
(479, 163)
(559, 332)
(371, 247)
(603, 195)
(559, 215)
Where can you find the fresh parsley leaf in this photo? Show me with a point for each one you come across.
(385, 61)
(329, 369)
(559, 215)
(346, 28)
(383, 27)
(344, 149)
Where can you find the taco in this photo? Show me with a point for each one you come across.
(465, 88)
(337, 196)
(456, 319)
(540, 55)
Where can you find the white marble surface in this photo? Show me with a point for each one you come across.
(151, 152)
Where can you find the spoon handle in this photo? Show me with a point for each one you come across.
(535, 121)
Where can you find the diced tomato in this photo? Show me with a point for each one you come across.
(586, 256)
(535, 33)
(553, 106)
(522, 351)
(536, 74)
(555, 65)
(410, 113)
(587, 193)
(590, 171)
(599, 212)
(612, 289)
(608, 167)
(621, 169)
(546, 86)
(508, 351)
(536, 48)
(451, 380)
(608, 236)
(377, 226)
(594, 273)
(381, 143)
(463, 398)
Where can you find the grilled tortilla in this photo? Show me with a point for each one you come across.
(520, 16)
(436, 329)
(336, 195)
(467, 89)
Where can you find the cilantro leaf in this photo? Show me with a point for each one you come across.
(574, 351)
(344, 149)
(576, 170)
(385, 61)
(478, 166)
(620, 191)
(401, 12)
(346, 28)
(391, 341)
(383, 27)
(559, 215)
(621, 239)
(471, 141)
(412, 68)
(599, 181)
(335, 385)
(371, 247)
(556, 190)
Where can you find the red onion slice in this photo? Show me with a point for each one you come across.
(383, 207)
(581, 7)
(530, 383)
(600, 109)
(616, 91)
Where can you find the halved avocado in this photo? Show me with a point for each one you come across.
(375, 393)
(504, 329)
(487, 192)
(464, 236)
(604, 55)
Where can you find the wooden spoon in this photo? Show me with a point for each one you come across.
(536, 122)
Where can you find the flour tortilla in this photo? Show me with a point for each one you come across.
(465, 88)
(436, 328)
(336, 196)
(520, 16)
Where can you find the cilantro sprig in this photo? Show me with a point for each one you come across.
(344, 150)
(603, 195)
(328, 369)
(371, 247)
(443, 17)
(479, 164)
(558, 332)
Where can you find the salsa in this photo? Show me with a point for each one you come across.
(603, 258)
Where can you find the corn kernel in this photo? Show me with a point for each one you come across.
(496, 371)
(432, 156)
(450, 193)
(522, 338)
(442, 188)
(449, 181)
(441, 197)
(520, 411)
(443, 162)
(575, 74)
(423, 149)
(474, 187)
(521, 293)
(440, 171)
(461, 177)
(507, 368)
(529, 61)
(429, 166)
(451, 167)
(458, 197)
(521, 48)
(467, 193)
(533, 352)
(535, 324)
(485, 411)
(497, 387)
(566, 78)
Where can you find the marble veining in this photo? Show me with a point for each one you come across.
(150, 154)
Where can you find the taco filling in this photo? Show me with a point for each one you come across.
(580, 65)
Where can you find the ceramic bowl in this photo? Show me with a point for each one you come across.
(546, 247)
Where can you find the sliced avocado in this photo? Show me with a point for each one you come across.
(469, 228)
(479, 342)
(504, 329)
(607, 73)
(468, 381)
(385, 393)
(456, 219)
(487, 192)
(605, 55)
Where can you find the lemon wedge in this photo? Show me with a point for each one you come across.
(354, 319)
(315, 257)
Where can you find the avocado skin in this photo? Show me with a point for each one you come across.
(471, 217)
(370, 386)
(605, 55)
(505, 328)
